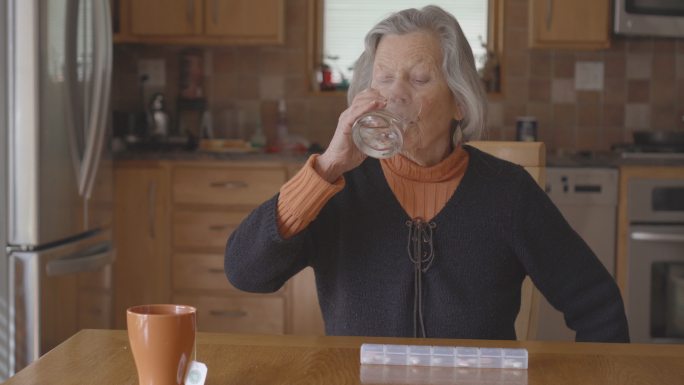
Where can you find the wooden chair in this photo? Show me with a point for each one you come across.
(532, 156)
(305, 313)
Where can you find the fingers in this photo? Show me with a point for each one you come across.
(341, 148)
(365, 101)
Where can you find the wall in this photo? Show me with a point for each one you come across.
(251, 79)
(644, 79)
(643, 89)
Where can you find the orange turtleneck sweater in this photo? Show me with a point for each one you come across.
(421, 191)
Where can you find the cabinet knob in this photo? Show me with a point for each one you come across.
(231, 184)
(218, 227)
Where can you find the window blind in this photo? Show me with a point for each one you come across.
(346, 23)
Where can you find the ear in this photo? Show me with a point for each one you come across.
(458, 112)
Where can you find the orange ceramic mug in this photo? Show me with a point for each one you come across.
(162, 338)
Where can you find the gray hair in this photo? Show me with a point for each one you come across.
(458, 63)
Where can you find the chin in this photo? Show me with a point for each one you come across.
(422, 154)
(414, 155)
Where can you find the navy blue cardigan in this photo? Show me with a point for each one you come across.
(497, 227)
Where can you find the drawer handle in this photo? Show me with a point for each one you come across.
(228, 313)
(231, 184)
(215, 270)
(656, 237)
(215, 12)
(190, 13)
(218, 227)
(95, 312)
(151, 208)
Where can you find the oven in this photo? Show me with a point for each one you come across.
(649, 17)
(655, 309)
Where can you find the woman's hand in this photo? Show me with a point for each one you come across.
(342, 154)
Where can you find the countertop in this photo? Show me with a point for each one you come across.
(612, 160)
(104, 357)
(579, 159)
(199, 155)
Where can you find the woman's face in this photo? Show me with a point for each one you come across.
(408, 69)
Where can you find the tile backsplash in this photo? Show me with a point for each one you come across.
(643, 85)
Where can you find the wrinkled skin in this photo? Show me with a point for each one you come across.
(407, 69)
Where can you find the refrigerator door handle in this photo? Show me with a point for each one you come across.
(97, 121)
(97, 257)
(105, 32)
(73, 113)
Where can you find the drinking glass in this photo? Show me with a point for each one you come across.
(381, 133)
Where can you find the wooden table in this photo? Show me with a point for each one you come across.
(103, 357)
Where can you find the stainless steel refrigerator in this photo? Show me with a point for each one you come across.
(55, 175)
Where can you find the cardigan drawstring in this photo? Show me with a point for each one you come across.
(421, 252)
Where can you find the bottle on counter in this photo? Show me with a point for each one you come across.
(207, 125)
(258, 139)
(282, 136)
(158, 118)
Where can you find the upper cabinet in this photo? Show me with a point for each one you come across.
(200, 21)
(578, 24)
(165, 18)
(255, 19)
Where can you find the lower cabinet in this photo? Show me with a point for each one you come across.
(239, 314)
(141, 232)
(201, 203)
(95, 299)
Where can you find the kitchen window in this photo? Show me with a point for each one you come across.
(341, 26)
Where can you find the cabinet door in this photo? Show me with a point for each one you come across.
(255, 314)
(578, 24)
(245, 19)
(226, 186)
(142, 271)
(165, 17)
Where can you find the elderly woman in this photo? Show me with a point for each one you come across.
(435, 241)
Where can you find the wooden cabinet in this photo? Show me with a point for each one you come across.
(255, 19)
(165, 18)
(201, 21)
(172, 222)
(240, 314)
(95, 299)
(579, 24)
(141, 231)
(232, 186)
(204, 229)
(209, 202)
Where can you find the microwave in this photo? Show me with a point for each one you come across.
(649, 18)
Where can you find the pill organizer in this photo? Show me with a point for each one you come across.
(446, 356)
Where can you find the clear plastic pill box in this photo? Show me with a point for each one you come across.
(446, 356)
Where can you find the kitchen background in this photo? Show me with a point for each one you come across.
(586, 102)
(642, 88)
(170, 212)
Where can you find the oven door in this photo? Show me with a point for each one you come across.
(656, 283)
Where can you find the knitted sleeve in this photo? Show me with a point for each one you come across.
(565, 269)
(302, 198)
(274, 242)
(257, 258)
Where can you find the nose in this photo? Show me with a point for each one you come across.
(398, 92)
